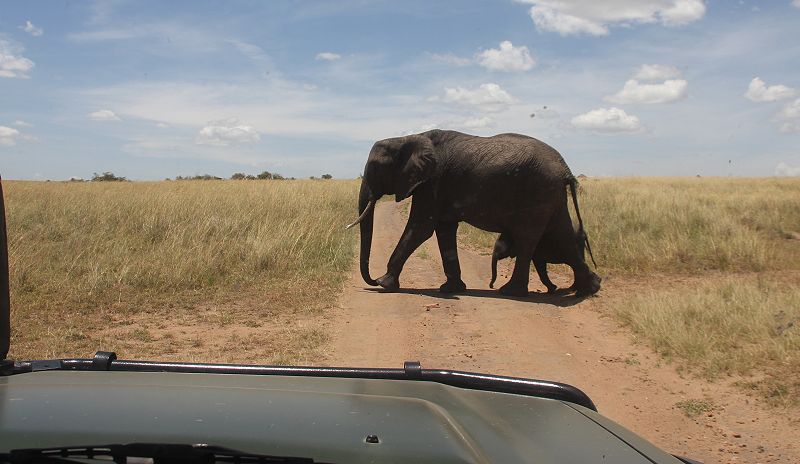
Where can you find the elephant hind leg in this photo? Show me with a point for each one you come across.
(567, 248)
(541, 269)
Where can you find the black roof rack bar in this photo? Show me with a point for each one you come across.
(5, 297)
(412, 371)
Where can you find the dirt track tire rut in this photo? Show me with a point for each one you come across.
(551, 337)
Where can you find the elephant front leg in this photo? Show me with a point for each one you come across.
(414, 235)
(446, 237)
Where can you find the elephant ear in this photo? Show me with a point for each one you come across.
(417, 164)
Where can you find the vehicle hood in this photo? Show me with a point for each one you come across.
(327, 419)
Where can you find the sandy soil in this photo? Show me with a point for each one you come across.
(558, 338)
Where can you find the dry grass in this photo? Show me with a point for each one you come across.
(684, 225)
(694, 408)
(83, 253)
(745, 326)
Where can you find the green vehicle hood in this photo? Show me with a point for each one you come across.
(327, 419)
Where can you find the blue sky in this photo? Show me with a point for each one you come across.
(151, 90)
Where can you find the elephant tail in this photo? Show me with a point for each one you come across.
(494, 270)
(573, 185)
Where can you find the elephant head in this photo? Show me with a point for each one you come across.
(395, 166)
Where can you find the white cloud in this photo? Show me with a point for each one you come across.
(21, 123)
(789, 117)
(12, 64)
(607, 120)
(790, 127)
(490, 97)
(103, 115)
(8, 136)
(227, 132)
(682, 12)
(634, 92)
(31, 29)
(791, 110)
(594, 18)
(506, 58)
(451, 59)
(796, 3)
(275, 104)
(476, 123)
(757, 91)
(783, 169)
(469, 124)
(552, 20)
(328, 56)
(656, 72)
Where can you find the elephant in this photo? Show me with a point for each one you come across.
(509, 183)
(550, 249)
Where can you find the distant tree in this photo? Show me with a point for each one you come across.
(238, 176)
(107, 177)
(250, 177)
(312, 178)
(198, 177)
(327, 176)
(276, 176)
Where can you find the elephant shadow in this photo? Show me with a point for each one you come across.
(560, 297)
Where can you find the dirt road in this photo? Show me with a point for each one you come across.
(547, 337)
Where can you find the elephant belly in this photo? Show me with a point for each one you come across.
(498, 200)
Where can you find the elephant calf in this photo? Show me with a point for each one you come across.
(548, 250)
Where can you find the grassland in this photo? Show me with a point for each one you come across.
(87, 259)
(686, 225)
(704, 270)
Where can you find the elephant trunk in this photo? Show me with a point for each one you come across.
(366, 208)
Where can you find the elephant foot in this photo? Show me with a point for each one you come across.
(551, 289)
(589, 287)
(513, 289)
(453, 286)
(389, 282)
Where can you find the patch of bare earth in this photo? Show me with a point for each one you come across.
(248, 331)
(548, 337)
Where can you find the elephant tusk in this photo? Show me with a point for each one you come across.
(367, 210)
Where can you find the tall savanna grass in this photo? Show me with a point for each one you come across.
(683, 225)
(87, 242)
(744, 326)
(77, 247)
(680, 225)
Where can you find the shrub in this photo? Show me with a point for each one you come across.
(107, 177)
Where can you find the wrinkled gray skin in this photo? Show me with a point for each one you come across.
(507, 183)
(549, 250)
